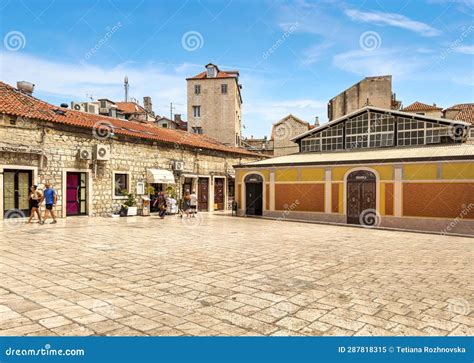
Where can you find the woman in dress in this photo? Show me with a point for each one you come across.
(187, 203)
(35, 199)
(162, 204)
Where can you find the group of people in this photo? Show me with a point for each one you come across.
(49, 196)
(160, 203)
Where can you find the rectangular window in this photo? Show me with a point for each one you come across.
(165, 126)
(120, 184)
(196, 111)
(197, 89)
(223, 89)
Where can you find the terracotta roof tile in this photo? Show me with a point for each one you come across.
(220, 74)
(13, 102)
(418, 106)
(130, 107)
(465, 112)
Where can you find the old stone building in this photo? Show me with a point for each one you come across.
(371, 91)
(285, 130)
(92, 159)
(214, 105)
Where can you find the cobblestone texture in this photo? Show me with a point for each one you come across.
(222, 275)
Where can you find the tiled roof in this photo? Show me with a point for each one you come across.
(220, 74)
(418, 106)
(130, 107)
(447, 151)
(465, 112)
(13, 102)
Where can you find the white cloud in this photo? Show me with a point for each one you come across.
(392, 19)
(465, 49)
(68, 81)
(399, 63)
(269, 112)
(315, 53)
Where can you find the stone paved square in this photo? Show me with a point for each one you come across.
(222, 275)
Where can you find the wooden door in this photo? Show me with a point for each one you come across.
(361, 195)
(203, 194)
(16, 191)
(76, 194)
(253, 199)
(219, 193)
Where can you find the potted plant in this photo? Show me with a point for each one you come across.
(129, 207)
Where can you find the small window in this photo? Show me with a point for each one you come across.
(211, 71)
(197, 89)
(120, 184)
(103, 104)
(165, 125)
(223, 89)
(196, 111)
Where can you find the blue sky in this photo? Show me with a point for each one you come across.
(293, 56)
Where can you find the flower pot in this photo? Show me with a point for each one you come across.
(132, 211)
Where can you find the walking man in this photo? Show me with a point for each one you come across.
(50, 198)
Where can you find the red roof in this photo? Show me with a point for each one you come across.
(465, 112)
(130, 107)
(13, 102)
(418, 106)
(220, 74)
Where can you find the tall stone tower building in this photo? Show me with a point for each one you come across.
(214, 104)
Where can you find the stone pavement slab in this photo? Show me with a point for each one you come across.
(222, 275)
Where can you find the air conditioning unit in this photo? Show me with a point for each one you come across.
(85, 154)
(104, 111)
(78, 106)
(178, 165)
(92, 108)
(102, 152)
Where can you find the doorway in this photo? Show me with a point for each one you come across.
(16, 190)
(76, 194)
(253, 195)
(361, 194)
(203, 194)
(219, 193)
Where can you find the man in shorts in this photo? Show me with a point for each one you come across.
(193, 203)
(50, 198)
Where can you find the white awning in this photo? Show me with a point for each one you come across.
(159, 176)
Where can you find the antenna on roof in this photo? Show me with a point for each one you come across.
(125, 85)
(90, 96)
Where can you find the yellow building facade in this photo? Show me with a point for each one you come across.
(419, 187)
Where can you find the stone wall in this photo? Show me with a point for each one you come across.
(377, 90)
(59, 145)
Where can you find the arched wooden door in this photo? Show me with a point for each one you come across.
(253, 195)
(361, 194)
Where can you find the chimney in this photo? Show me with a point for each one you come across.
(316, 121)
(177, 117)
(147, 104)
(25, 87)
